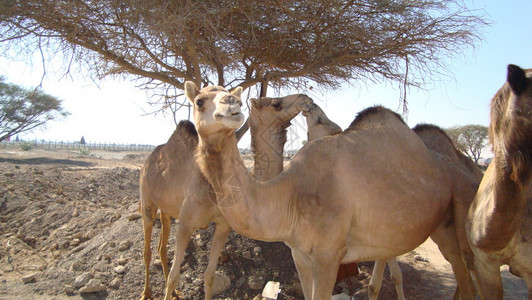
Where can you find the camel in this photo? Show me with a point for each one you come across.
(434, 138)
(368, 193)
(165, 175)
(275, 115)
(318, 126)
(499, 223)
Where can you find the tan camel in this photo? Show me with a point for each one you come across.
(162, 186)
(269, 119)
(369, 193)
(165, 175)
(435, 139)
(499, 223)
(318, 126)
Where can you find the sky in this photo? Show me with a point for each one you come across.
(114, 111)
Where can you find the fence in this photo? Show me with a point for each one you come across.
(54, 145)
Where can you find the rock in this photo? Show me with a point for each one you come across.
(124, 245)
(93, 286)
(257, 250)
(158, 263)
(119, 269)
(82, 279)
(78, 236)
(122, 261)
(342, 296)
(221, 284)
(271, 290)
(115, 284)
(75, 242)
(75, 266)
(134, 216)
(70, 290)
(256, 282)
(29, 278)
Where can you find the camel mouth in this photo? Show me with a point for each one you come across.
(234, 120)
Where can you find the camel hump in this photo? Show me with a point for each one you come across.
(436, 139)
(184, 132)
(375, 116)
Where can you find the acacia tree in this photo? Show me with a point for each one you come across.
(22, 110)
(470, 139)
(282, 43)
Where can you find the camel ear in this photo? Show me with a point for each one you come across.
(191, 91)
(237, 92)
(255, 102)
(516, 78)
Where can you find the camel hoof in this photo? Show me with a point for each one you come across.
(146, 297)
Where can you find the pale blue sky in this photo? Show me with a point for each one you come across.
(112, 111)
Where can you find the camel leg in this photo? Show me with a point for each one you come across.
(182, 238)
(148, 217)
(163, 242)
(488, 277)
(376, 279)
(324, 270)
(218, 241)
(445, 237)
(397, 277)
(304, 271)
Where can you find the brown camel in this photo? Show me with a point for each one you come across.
(369, 193)
(268, 122)
(165, 176)
(318, 126)
(499, 223)
(435, 139)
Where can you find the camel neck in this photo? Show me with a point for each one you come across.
(505, 212)
(252, 208)
(267, 146)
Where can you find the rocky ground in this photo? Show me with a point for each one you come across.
(70, 229)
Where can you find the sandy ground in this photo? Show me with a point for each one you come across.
(428, 278)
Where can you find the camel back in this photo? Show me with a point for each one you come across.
(371, 116)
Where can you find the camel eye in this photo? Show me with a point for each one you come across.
(200, 102)
(276, 105)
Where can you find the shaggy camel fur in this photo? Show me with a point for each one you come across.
(370, 193)
(499, 223)
(268, 121)
(318, 126)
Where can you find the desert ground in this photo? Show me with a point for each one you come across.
(70, 229)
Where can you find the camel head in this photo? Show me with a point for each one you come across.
(510, 129)
(277, 111)
(312, 113)
(216, 110)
